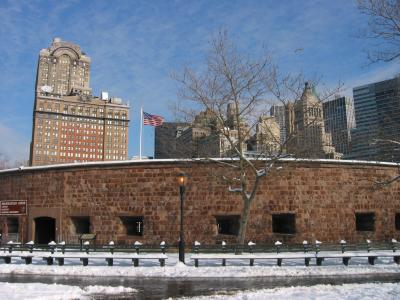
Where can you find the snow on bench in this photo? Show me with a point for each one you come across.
(371, 253)
(26, 257)
(109, 258)
(341, 252)
(346, 256)
(252, 257)
(84, 258)
(278, 256)
(50, 254)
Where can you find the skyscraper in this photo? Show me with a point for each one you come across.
(377, 116)
(278, 111)
(309, 137)
(339, 120)
(69, 123)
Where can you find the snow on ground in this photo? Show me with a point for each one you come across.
(36, 291)
(379, 291)
(209, 268)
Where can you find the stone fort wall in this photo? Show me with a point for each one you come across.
(323, 196)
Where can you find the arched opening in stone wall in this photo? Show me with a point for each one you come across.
(45, 230)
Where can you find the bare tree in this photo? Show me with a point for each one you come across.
(4, 161)
(233, 91)
(383, 26)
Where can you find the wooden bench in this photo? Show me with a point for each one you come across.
(84, 258)
(61, 251)
(346, 256)
(252, 257)
(26, 257)
(252, 252)
(306, 251)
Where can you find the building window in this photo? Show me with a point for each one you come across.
(228, 224)
(397, 221)
(284, 223)
(133, 225)
(365, 221)
(81, 224)
(13, 225)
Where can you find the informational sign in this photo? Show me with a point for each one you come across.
(13, 207)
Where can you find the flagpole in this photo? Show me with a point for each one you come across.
(141, 132)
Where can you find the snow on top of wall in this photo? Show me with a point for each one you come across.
(162, 161)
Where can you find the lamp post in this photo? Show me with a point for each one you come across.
(182, 182)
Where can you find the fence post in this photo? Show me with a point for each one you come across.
(196, 247)
(317, 245)
(394, 245)
(305, 246)
(111, 246)
(137, 245)
(52, 246)
(30, 246)
(278, 245)
(343, 245)
(368, 245)
(251, 245)
(163, 246)
(62, 246)
(87, 246)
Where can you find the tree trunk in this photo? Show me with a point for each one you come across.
(243, 224)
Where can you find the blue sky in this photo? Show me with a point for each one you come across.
(136, 45)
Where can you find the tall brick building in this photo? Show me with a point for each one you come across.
(69, 123)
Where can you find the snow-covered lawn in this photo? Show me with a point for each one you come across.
(208, 269)
(379, 291)
(33, 291)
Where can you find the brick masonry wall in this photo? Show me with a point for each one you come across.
(323, 196)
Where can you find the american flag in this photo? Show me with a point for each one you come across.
(152, 120)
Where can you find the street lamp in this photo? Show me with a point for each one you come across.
(182, 177)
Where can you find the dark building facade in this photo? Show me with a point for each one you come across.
(377, 117)
(165, 140)
(339, 120)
